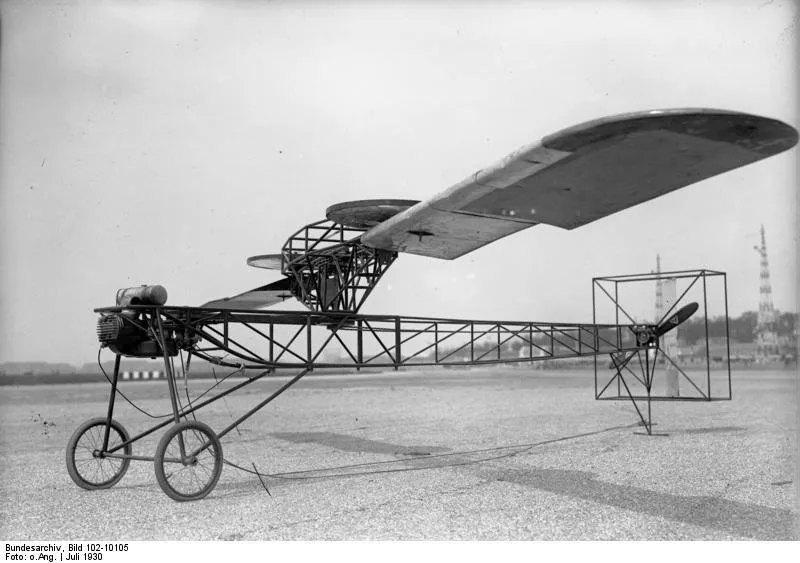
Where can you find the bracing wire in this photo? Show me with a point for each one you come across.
(190, 401)
(186, 385)
(131, 403)
(369, 467)
(520, 449)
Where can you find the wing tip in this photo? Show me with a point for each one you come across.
(763, 135)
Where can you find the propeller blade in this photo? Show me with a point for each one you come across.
(270, 294)
(677, 318)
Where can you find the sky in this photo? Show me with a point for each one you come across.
(165, 142)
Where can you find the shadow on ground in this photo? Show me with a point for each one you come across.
(747, 520)
(736, 518)
(709, 430)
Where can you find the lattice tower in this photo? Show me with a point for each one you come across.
(766, 338)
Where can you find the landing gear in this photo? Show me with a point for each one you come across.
(188, 461)
(88, 461)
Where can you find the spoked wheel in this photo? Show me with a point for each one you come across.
(188, 461)
(87, 464)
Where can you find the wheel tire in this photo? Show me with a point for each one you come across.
(169, 469)
(88, 438)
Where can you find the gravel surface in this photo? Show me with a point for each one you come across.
(451, 454)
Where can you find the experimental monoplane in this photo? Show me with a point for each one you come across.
(567, 180)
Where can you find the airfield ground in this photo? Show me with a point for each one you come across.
(482, 454)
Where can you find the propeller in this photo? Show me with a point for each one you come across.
(677, 318)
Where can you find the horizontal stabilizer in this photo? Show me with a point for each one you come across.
(266, 261)
(264, 296)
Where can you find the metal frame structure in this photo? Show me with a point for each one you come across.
(648, 358)
(330, 267)
(256, 343)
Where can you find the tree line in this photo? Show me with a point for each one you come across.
(741, 328)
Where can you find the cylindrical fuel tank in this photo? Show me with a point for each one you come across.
(142, 295)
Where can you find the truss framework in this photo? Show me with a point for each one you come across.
(625, 383)
(291, 340)
(297, 340)
(256, 343)
(331, 269)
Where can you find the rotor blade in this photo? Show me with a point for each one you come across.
(677, 318)
(582, 174)
(264, 296)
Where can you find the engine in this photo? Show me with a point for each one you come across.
(127, 332)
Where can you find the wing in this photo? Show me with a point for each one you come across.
(264, 296)
(582, 174)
